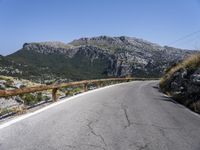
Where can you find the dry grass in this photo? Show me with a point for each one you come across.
(190, 63)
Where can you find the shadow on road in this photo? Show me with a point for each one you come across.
(162, 97)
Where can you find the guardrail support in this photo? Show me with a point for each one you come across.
(99, 84)
(85, 88)
(54, 95)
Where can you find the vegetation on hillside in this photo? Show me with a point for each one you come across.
(90, 58)
(191, 64)
(48, 67)
(182, 82)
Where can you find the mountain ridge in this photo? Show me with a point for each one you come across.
(97, 57)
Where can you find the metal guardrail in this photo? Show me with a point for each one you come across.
(55, 87)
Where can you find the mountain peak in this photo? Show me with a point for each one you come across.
(116, 43)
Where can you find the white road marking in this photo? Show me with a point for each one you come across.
(192, 112)
(15, 120)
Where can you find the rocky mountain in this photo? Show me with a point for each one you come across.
(134, 56)
(96, 57)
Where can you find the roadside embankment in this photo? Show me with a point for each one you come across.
(182, 82)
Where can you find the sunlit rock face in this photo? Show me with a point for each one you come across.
(96, 57)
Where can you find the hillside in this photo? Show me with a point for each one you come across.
(97, 57)
(15, 103)
(22, 102)
(182, 82)
(58, 63)
(11, 68)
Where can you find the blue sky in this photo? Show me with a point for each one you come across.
(159, 21)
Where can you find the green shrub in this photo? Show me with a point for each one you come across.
(73, 91)
(4, 111)
(31, 99)
(39, 97)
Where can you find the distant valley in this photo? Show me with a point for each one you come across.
(90, 58)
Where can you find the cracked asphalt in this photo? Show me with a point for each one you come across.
(130, 116)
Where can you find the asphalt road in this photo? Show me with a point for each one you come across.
(130, 116)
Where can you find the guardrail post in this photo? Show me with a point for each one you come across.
(99, 84)
(85, 88)
(54, 95)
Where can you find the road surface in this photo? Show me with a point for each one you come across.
(129, 116)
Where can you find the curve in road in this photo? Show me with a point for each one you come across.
(129, 116)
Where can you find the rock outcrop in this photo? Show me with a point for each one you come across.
(182, 82)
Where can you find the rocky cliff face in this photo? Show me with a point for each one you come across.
(99, 57)
(51, 48)
(182, 82)
(134, 56)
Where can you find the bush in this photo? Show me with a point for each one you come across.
(4, 111)
(31, 99)
(73, 91)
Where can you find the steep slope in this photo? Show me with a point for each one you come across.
(97, 57)
(182, 82)
(134, 56)
(76, 64)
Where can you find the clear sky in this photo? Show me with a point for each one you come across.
(159, 21)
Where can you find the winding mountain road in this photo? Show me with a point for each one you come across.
(128, 116)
